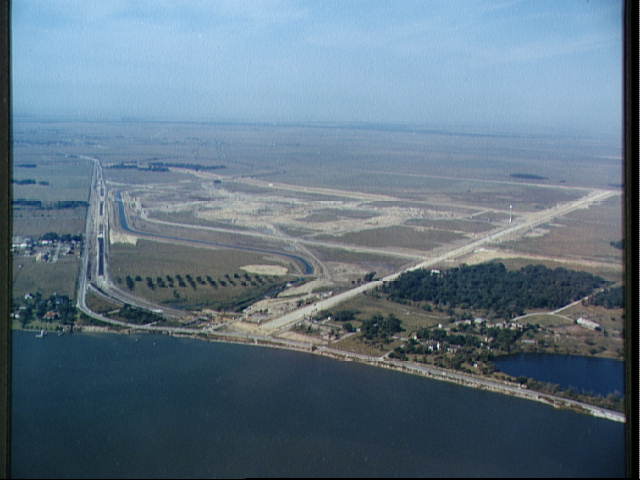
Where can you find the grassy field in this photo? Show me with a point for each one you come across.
(155, 259)
(581, 234)
(612, 272)
(132, 176)
(412, 318)
(46, 278)
(33, 222)
(99, 304)
(68, 180)
(355, 344)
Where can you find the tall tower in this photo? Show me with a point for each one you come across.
(510, 213)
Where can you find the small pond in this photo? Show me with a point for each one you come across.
(584, 374)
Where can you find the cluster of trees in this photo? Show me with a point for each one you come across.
(345, 315)
(61, 204)
(138, 315)
(609, 298)
(613, 401)
(29, 181)
(190, 166)
(528, 176)
(493, 288)
(65, 237)
(133, 166)
(381, 328)
(169, 281)
(35, 307)
(618, 244)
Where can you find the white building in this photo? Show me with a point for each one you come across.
(583, 322)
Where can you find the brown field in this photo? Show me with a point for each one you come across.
(522, 197)
(383, 264)
(467, 226)
(400, 237)
(583, 234)
(332, 214)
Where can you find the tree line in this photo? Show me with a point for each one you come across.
(609, 298)
(171, 281)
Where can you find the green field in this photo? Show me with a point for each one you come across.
(30, 276)
(412, 317)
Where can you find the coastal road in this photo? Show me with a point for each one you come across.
(525, 223)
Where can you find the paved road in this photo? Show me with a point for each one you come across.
(286, 321)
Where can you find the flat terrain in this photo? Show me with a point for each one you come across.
(30, 276)
(155, 259)
(583, 234)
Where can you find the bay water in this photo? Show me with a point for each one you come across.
(105, 405)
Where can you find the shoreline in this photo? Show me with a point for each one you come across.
(411, 368)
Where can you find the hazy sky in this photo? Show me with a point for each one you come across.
(499, 64)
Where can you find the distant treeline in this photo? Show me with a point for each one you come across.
(137, 315)
(133, 166)
(61, 204)
(618, 244)
(609, 298)
(528, 176)
(189, 166)
(491, 287)
(65, 237)
(164, 166)
(29, 181)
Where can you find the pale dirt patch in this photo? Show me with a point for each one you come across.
(306, 288)
(265, 269)
(299, 337)
(536, 232)
(120, 237)
(245, 327)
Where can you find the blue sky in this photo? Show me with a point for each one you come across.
(504, 64)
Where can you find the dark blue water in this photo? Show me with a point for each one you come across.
(585, 374)
(156, 406)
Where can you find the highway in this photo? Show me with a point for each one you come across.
(524, 224)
